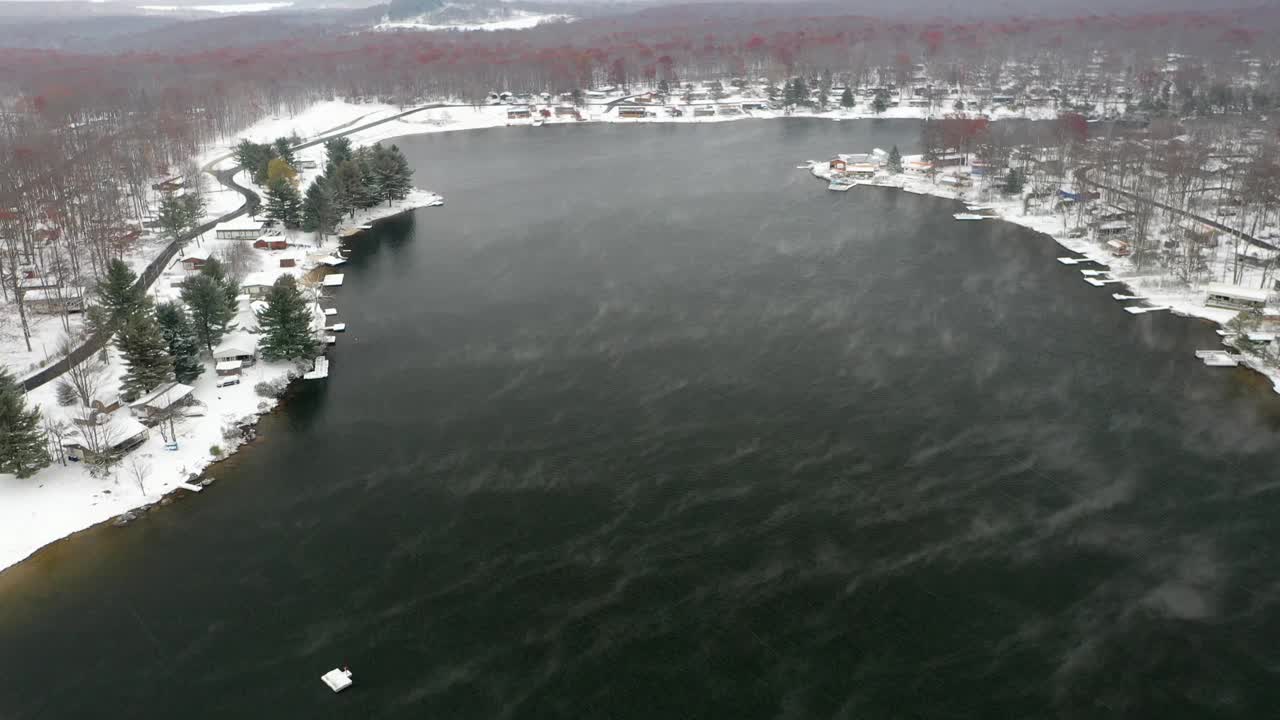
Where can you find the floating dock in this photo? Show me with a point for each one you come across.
(1138, 309)
(330, 339)
(333, 280)
(336, 327)
(1099, 283)
(1093, 273)
(330, 312)
(969, 216)
(1122, 297)
(1218, 358)
(190, 487)
(321, 370)
(338, 679)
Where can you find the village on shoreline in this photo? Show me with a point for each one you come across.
(64, 498)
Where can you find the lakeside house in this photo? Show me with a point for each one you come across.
(919, 166)
(1119, 248)
(240, 228)
(704, 111)
(227, 368)
(519, 113)
(159, 402)
(240, 347)
(106, 434)
(1112, 228)
(195, 258)
(632, 111)
(837, 165)
(1234, 297)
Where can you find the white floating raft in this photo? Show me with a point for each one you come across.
(321, 370)
(330, 339)
(1122, 297)
(332, 260)
(1138, 309)
(330, 312)
(336, 327)
(1099, 283)
(1218, 358)
(333, 280)
(338, 679)
(969, 216)
(1093, 273)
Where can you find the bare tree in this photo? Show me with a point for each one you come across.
(139, 470)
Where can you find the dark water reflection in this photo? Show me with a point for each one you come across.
(643, 424)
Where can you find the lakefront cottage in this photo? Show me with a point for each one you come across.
(241, 228)
(161, 401)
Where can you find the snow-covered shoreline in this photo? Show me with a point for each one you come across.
(1154, 289)
(60, 501)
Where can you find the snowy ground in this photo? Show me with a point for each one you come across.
(1152, 284)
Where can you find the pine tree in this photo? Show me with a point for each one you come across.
(349, 188)
(180, 339)
(390, 174)
(337, 151)
(23, 449)
(119, 296)
(1014, 182)
(286, 323)
(284, 204)
(283, 149)
(895, 161)
(319, 213)
(174, 218)
(846, 99)
(365, 194)
(210, 312)
(216, 269)
(881, 101)
(145, 354)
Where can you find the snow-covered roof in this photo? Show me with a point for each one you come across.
(257, 279)
(1114, 225)
(236, 345)
(197, 253)
(117, 428)
(243, 222)
(164, 396)
(1237, 292)
(224, 365)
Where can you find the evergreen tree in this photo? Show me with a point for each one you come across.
(216, 269)
(846, 98)
(145, 354)
(283, 149)
(175, 217)
(319, 212)
(286, 323)
(390, 174)
(284, 204)
(23, 449)
(1014, 182)
(180, 339)
(881, 101)
(255, 158)
(211, 302)
(337, 151)
(365, 194)
(278, 168)
(348, 188)
(119, 296)
(895, 161)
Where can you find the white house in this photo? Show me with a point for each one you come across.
(256, 284)
(239, 228)
(240, 347)
(1234, 297)
(108, 433)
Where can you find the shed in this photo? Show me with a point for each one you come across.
(54, 301)
(240, 228)
(271, 243)
(227, 367)
(632, 112)
(1234, 297)
(1114, 227)
(1119, 248)
(288, 262)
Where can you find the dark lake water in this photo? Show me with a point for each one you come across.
(645, 423)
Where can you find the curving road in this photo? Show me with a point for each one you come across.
(226, 178)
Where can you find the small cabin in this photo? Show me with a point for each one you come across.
(240, 348)
(194, 258)
(750, 106)
(158, 403)
(1112, 228)
(256, 284)
(632, 112)
(862, 170)
(838, 165)
(704, 111)
(288, 262)
(519, 113)
(53, 301)
(106, 434)
(920, 166)
(241, 228)
(1119, 248)
(1234, 297)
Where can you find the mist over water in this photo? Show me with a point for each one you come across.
(645, 423)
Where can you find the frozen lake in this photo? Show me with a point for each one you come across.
(645, 423)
